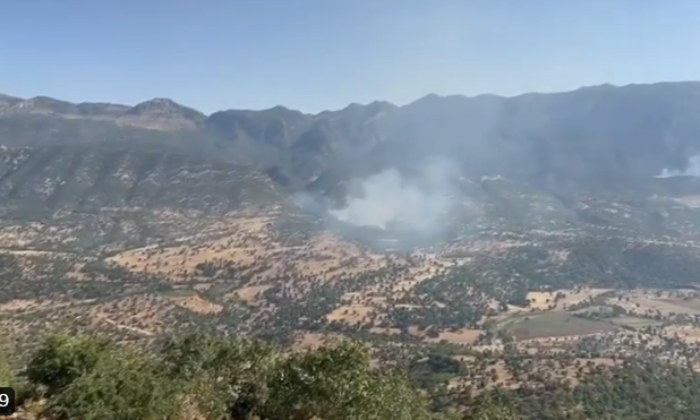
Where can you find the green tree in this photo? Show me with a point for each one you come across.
(225, 377)
(62, 359)
(488, 410)
(338, 383)
(124, 386)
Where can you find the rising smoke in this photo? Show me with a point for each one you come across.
(419, 201)
(692, 169)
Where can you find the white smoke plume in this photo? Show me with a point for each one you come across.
(692, 169)
(419, 201)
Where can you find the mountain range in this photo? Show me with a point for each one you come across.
(600, 137)
(601, 157)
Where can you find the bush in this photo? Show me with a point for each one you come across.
(237, 379)
(7, 378)
(63, 359)
(225, 378)
(339, 383)
(218, 378)
(124, 386)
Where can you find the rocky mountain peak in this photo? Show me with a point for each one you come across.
(44, 104)
(164, 113)
(8, 101)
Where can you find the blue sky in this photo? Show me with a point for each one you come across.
(323, 54)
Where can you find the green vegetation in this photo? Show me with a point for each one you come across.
(639, 390)
(217, 378)
(555, 324)
(122, 385)
(210, 377)
(635, 322)
(7, 377)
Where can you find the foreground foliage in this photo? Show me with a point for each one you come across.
(208, 377)
(217, 378)
(637, 390)
(7, 378)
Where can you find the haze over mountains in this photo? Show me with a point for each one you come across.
(594, 133)
(595, 140)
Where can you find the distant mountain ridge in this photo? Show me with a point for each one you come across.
(598, 137)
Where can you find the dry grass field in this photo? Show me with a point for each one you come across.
(251, 243)
(664, 303)
(372, 284)
(548, 300)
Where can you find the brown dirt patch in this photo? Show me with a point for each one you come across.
(310, 341)
(545, 300)
(248, 293)
(352, 314)
(665, 303)
(687, 333)
(463, 336)
(198, 304)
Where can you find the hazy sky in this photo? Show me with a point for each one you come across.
(319, 54)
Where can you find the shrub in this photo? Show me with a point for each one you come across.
(124, 386)
(339, 383)
(63, 359)
(218, 378)
(224, 378)
(7, 378)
